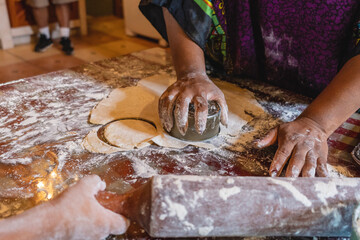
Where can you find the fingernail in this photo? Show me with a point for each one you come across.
(167, 126)
(127, 222)
(312, 172)
(119, 230)
(273, 173)
(295, 172)
(182, 130)
(201, 130)
(200, 126)
(257, 144)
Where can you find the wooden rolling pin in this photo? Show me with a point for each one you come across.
(197, 206)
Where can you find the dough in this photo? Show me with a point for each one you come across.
(129, 134)
(165, 140)
(93, 144)
(142, 102)
(131, 102)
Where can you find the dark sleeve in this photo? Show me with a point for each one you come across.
(355, 48)
(195, 22)
(356, 37)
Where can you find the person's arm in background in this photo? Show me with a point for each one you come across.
(304, 141)
(75, 214)
(192, 85)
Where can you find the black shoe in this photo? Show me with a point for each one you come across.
(66, 45)
(43, 43)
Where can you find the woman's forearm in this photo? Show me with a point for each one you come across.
(188, 57)
(339, 100)
(192, 85)
(302, 143)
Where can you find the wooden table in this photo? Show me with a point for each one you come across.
(43, 120)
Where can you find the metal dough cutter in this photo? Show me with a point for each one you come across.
(356, 154)
(212, 125)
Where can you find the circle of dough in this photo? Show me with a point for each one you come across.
(129, 134)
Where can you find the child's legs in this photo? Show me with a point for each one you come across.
(40, 12)
(62, 9)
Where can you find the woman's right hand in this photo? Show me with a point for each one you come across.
(81, 215)
(194, 88)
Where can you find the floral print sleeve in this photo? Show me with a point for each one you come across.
(202, 20)
(195, 22)
(357, 31)
(216, 43)
(355, 49)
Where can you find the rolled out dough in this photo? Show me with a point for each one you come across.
(141, 101)
(93, 144)
(129, 133)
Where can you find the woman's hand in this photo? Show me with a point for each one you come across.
(81, 215)
(194, 88)
(304, 143)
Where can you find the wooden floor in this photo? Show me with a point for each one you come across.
(106, 39)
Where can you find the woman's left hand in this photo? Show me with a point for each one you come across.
(304, 143)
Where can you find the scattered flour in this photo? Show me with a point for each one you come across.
(175, 209)
(230, 181)
(294, 191)
(204, 231)
(338, 171)
(44, 114)
(225, 193)
(325, 191)
(142, 169)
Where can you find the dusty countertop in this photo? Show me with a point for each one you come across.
(43, 120)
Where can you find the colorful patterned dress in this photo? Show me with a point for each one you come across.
(297, 45)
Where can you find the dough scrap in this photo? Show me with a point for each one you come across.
(165, 140)
(130, 133)
(93, 144)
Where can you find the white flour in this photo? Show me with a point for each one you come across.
(338, 171)
(295, 192)
(225, 193)
(47, 115)
(142, 169)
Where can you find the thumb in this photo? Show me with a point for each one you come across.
(268, 140)
(91, 185)
(118, 223)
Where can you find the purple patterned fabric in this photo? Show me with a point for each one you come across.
(220, 12)
(298, 44)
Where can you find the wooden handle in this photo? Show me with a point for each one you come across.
(134, 205)
(112, 201)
